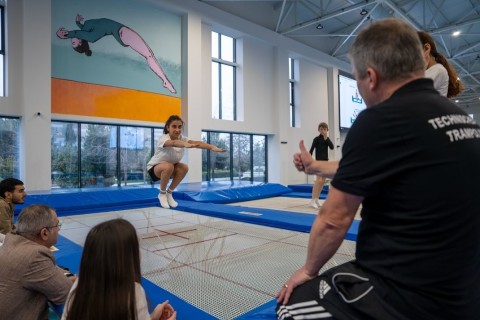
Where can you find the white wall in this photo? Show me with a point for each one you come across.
(264, 102)
(28, 90)
(313, 105)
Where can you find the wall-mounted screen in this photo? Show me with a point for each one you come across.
(350, 102)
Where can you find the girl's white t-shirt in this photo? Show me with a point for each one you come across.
(170, 154)
(439, 75)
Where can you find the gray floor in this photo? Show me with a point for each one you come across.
(223, 267)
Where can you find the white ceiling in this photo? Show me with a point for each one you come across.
(341, 21)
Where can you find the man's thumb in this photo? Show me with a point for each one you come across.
(302, 146)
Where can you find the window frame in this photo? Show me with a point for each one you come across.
(16, 167)
(2, 49)
(118, 155)
(230, 148)
(221, 62)
(292, 84)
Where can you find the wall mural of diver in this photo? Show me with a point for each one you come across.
(92, 30)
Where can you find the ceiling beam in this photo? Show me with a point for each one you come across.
(402, 15)
(311, 7)
(327, 17)
(355, 29)
(455, 26)
(280, 17)
(459, 54)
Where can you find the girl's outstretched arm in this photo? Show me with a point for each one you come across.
(203, 145)
(180, 144)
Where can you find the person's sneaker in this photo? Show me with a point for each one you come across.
(163, 200)
(314, 204)
(171, 201)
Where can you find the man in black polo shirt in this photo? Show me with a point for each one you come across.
(412, 160)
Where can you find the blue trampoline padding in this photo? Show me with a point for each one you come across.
(239, 193)
(304, 195)
(69, 255)
(263, 312)
(295, 221)
(80, 201)
(91, 201)
(306, 188)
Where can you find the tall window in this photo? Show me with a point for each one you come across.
(135, 151)
(259, 158)
(9, 147)
(2, 51)
(65, 154)
(90, 155)
(99, 153)
(223, 77)
(216, 165)
(291, 77)
(245, 157)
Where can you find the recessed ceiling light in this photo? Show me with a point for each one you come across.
(319, 26)
(456, 33)
(363, 12)
(456, 101)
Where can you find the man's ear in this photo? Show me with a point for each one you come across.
(8, 195)
(44, 234)
(372, 78)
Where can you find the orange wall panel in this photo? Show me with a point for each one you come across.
(94, 100)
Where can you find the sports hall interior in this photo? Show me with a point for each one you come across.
(229, 246)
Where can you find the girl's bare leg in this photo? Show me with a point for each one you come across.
(179, 173)
(136, 42)
(164, 171)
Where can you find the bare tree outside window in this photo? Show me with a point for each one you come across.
(9, 147)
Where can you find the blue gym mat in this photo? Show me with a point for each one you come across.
(80, 201)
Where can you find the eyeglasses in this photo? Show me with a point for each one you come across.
(59, 225)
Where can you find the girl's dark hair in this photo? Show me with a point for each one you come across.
(455, 86)
(84, 47)
(169, 121)
(109, 268)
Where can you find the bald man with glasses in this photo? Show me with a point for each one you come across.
(29, 277)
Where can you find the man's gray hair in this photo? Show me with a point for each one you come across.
(33, 218)
(391, 47)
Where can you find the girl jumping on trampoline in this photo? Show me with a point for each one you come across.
(95, 29)
(165, 163)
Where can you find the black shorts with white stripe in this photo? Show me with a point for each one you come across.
(344, 292)
(302, 310)
(304, 303)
